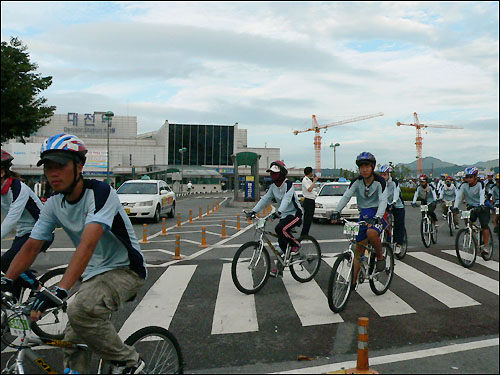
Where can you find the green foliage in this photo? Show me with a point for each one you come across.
(407, 193)
(23, 111)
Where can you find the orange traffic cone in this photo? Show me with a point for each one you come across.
(362, 366)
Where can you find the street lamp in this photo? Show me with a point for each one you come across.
(182, 151)
(334, 155)
(107, 116)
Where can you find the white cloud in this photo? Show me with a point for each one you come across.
(270, 66)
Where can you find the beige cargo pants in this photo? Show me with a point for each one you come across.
(89, 319)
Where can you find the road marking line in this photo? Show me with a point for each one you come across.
(157, 308)
(309, 302)
(235, 312)
(479, 260)
(458, 271)
(388, 304)
(440, 291)
(399, 357)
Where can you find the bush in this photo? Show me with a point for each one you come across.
(407, 193)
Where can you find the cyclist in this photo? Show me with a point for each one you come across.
(289, 211)
(494, 195)
(440, 183)
(427, 194)
(395, 206)
(371, 192)
(107, 256)
(475, 200)
(489, 183)
(448, 194)
(22, 209)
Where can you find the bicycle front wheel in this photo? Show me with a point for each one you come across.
(340, 283)
(159, 349)
(434, 232)
(465, 246)
(425, 232)
(488, 251)
(52, 324)
(450, 223)
(382, 280)
(250, 268)
(309, 260)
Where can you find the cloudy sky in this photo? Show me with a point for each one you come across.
(270, 66)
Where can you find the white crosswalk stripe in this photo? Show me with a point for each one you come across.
(459, 271)
(236, 312)
(479, 260)
(160, 302)
(387, 304)
(230, 300)
(309, 302)
(442, 292)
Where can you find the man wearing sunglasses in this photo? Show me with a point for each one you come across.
(427, 194)
(371, 193)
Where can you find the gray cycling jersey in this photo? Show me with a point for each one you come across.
(428, 197)
(494, 193)
(488, 186)
(285, 196)
(373, 196)
(474, 195)
(21, 208)
(448, 193)
(394, 194)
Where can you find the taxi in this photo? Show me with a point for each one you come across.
(328, 198)
(147, 199)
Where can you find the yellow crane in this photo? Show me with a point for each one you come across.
(317, 128)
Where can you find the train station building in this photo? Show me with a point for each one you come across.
(206, 160)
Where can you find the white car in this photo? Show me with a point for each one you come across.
(328, 198)
(298, 189)
(147, 199)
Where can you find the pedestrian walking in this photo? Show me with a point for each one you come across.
(309, 198)
(189, 187)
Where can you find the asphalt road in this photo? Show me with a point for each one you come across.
(433, 302)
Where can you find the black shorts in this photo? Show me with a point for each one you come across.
(481, 213)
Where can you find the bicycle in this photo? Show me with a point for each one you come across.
(156, 345)
(449, 216)
(251, 264)
(389, 233)
(428, 230)
(340, 282)
(467, 247)
(50, 325)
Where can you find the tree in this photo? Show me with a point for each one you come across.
(22, 109)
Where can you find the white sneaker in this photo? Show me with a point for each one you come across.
(137, 369)
(397, 249)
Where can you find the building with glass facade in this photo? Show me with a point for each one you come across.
(206, 144)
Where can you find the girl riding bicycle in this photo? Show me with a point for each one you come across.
(289, 211)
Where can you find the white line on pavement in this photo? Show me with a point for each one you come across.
(399, 357)
(491, 264)
(459, 271)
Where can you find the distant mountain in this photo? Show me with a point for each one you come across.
(437, 166)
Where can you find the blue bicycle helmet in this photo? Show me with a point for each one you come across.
(471, 171)
(366, 158)
(385, 169)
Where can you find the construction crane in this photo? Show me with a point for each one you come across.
(418, 142)
(317, 128)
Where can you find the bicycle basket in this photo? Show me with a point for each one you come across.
(424, 208)
(465, 215)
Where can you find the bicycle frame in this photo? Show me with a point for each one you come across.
(261, 228)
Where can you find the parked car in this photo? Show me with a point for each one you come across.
(328, 198)
(147, 199)
(298, 189)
